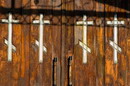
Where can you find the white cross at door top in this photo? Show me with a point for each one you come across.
(41, 22)
(115, 22)
(85, 23)
(9, 42)
(114, 43)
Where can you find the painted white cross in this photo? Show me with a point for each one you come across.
(9, 42)
(41, 22)
(85, 23)
(114, 43)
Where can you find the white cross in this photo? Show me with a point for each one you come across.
(9, 42)
(85, 23)
(41, 32)
(115, 42)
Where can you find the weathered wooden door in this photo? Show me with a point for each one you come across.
(45, 71)
(64, 43)
(101, 51)
(25, 65)
(14, 67)
(116, 39)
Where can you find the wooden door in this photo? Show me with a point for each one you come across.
(74, 53)
(46, 72)
(13, 72)
(100, 69)
(84, 59)
(116, 71)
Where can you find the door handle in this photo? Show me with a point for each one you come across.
(54, 74)
(70, 71)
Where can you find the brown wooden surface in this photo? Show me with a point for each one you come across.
(115, 74)
(100, 38)
(40, 73)
(67, 40)
(85, 74)
(61, 40)
(128, 49)
(5, 67)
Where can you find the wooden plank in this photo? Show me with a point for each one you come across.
(122, 79)
(110, 68)
(85, 74)
(16, 55)
(16, 40)
(115, 74)
(128, 60)
(5, 67)
(63, 20)
(128, 46)
(67, 40)
(36, 75)
(41, 73)
(56, 39)
(25, 28)
(100, 38)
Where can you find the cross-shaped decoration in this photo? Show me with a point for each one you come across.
(114, 43)
(83, 44)
(9, 42)
(41, 22)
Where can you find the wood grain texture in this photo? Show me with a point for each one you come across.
(40, 73)
(128, 48)
(67, 39)
(61, 40)
(115, 74)
(100, 46)
(85, 74)
(5, 66)
(57, 38)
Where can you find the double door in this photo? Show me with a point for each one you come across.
(84, 43)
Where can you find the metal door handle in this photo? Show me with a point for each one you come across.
(70, 71)
(54, 74)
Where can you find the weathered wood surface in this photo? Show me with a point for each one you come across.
(61, 40)
(84, 74)
(115, 74)
(67, 40)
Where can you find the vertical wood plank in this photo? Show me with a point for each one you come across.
(122, 79)
(100, 38)
(128, 45)
(57, 37)
(115, 74)
(85, 74)
(5, 66)
(110, 67)
(16, 41)
(67, 38)
(63, 21)
(41, 74)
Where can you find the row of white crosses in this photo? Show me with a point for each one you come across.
(83, 44)
(114, 43)
(41, 22)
